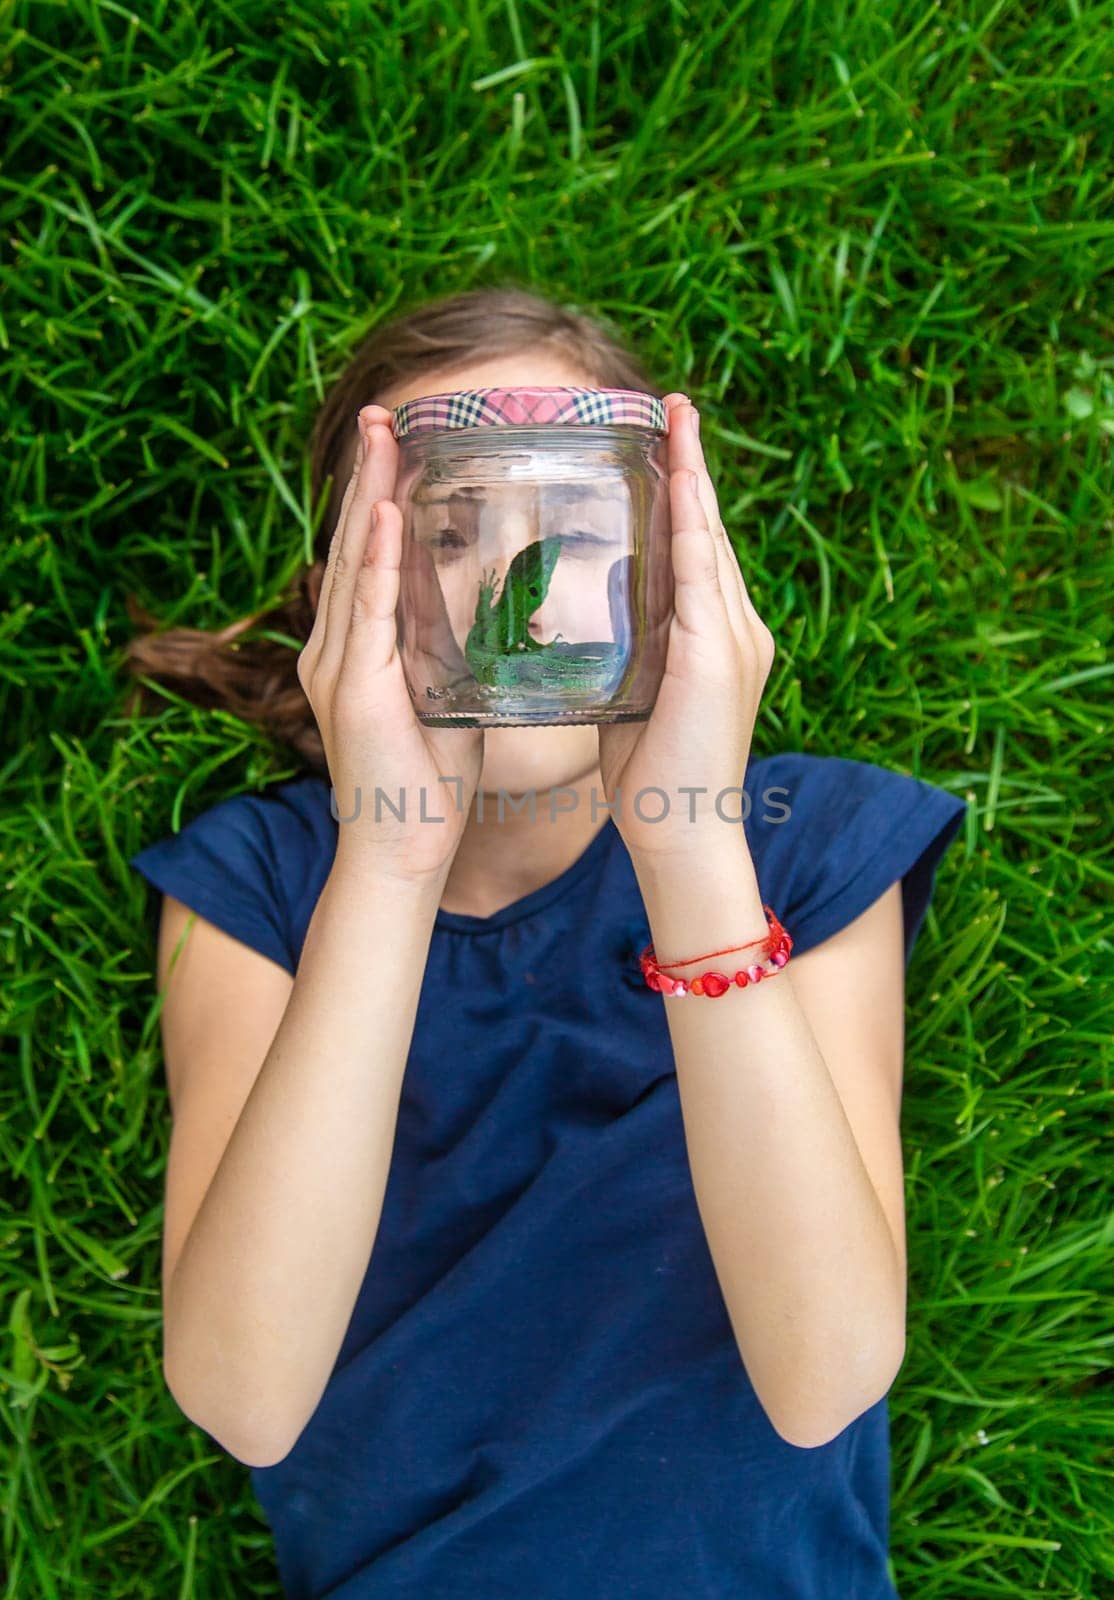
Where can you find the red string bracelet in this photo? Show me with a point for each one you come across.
(776, 947)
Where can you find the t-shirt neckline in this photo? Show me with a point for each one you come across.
(528, 905)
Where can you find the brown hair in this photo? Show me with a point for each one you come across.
(257, 679)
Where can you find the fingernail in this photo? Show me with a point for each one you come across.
(695, 421)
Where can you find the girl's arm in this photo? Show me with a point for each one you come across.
(788, 1099)
(790, 1094)
(257, 1303)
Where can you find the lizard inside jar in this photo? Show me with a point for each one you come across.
(536, 570)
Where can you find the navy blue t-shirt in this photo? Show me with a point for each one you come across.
(539, 1395)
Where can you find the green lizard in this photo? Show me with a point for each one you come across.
(499, 648)
(501, 631)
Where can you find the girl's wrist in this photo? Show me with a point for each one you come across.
(368, 866)
(698, 854)
(701, 898)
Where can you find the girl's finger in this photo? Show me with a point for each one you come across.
(697, 595)
(375, 480)
(690, 452)
(371, 635)
(312, 650)
(685, 456)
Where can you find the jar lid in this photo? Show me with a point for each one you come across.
(526, 407)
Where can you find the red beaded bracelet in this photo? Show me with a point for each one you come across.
(776, 948)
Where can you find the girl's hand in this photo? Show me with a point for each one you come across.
(718, 658)
(352, 674)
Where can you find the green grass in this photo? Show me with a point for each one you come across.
(874, 242)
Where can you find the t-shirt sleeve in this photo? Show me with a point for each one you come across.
(830, 836)
(226, 865)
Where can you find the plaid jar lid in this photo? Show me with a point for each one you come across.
(527, 407)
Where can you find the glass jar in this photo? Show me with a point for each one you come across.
(537, 577)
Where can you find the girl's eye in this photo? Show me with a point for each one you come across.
(580, 542)
(449, 539)
(576, 541)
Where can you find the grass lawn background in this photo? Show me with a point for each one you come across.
(874, 242)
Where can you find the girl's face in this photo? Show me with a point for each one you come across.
(520, 759)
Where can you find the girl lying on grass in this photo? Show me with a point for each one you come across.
(507, 1273)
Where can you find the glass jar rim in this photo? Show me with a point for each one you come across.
(528, 406)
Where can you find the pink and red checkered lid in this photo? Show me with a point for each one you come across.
(528, 407)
